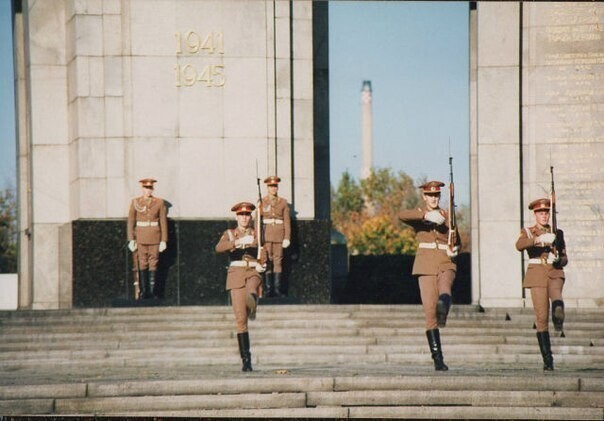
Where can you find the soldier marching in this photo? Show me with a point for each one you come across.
(250, 248)
(544, 275)
(243, 277)
(434, 265)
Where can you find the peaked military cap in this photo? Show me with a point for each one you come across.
(540, 204)
(273, 179)
(147, 182)
(432, 187)
(243, 207)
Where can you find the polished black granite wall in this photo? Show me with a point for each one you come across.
(387, 279)
(190, 272)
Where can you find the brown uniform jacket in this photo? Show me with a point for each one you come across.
(236, 275)
(274, 232)
(538, 274)
(147, 212)
(429, 261)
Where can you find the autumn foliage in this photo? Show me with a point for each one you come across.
(366, 213)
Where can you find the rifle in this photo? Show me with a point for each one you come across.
(558, 244)
(137, 286)
(452, 241)
(261, 257)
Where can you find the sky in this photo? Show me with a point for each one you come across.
(8, 158)
(416, 55)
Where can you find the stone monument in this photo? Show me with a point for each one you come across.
(537, 88)
(202, 95)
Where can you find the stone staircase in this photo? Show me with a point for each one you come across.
(324, 361)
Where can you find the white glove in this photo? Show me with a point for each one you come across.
(454, 252)
(260, 268)
(546, 239)
(132, 245)
(162, 246)
(285, 243)
(435, 216)
(244, 241)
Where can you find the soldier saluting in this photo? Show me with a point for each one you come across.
(544, 275)
(243, 276)
(277, 231)
(433, 264)
(147, 235)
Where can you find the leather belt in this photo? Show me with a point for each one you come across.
(243, 263)
(272, 221)
(147, 223)
(433, 246)
(542, 261)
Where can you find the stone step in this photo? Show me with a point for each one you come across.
(542, 391)
(299, 351)
(177, 325)
(517, 361)
(297, 383)
(302, 327)
(272, 312)
(566, 345)
(463, 404)
(309, 361)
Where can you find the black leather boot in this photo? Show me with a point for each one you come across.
(442, 309)
(143, 284)
(435, 348)
(152, 274)
(268, 285)
(558, 315)
(278, 286)
(244, 350)
(546, 350)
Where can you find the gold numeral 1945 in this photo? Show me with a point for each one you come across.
(212, 75)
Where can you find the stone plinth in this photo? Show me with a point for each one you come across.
(190, 271)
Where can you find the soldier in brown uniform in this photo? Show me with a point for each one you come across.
(147, 235)
(544, 275)
(277, 230)
(243, 277)
(433, 264)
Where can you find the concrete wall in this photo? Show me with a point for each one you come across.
(539, 95)
(198, 94)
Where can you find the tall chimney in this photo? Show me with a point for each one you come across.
(367, 130)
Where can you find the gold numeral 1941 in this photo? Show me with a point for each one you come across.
(193, 43)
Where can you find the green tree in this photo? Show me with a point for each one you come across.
(367, 212)
(348, 197)
(387, 193)
(379, 235)
(8, 231)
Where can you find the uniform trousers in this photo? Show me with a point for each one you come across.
(275, 255)
(239, 296)
(430, 288)
(541, 297)
(148, 256)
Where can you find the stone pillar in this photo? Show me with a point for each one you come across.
(45, 74)
(539, 103)
(367, 129)
(498, 180)
(563, 112)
